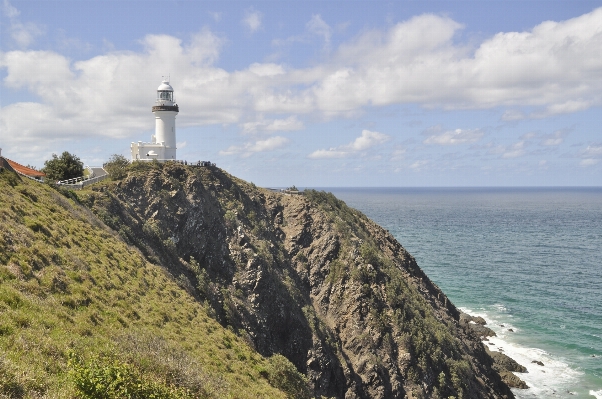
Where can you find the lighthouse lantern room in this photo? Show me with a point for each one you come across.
(163, 143)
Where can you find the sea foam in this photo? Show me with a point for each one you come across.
(555, 379)
(597, 394)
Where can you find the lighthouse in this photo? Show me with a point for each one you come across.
(163, 143)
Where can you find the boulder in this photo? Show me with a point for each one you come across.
(466, 318)
(482, 331)
(537, 362)
(505, 362)
(513, 381)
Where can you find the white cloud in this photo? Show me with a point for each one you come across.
(513, 115)
(266, 69)
(364, 142)
(23, 34)
(515, 150)
(9, 10)
(217, 16)
(398, 154)
(317, 26)
(329, 153)
(508, 151)
(554, 67)
(592, 155)
(110, 95)
(593, 151)
(248, 149)
(276, 125)
(458, 136)
(529, 136)
(419, 165)
(204, 48)
(553, 139)
(252, 20)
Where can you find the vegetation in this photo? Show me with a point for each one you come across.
(82, 314)
(67, 166)
(117, 166)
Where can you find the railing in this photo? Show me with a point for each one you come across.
(90, 171)
(180, 161)
(39, 180)
(80, 182)
(285, 191)
(166, 108)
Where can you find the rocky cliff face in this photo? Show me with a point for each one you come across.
(304, 276)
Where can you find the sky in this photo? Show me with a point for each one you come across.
(314, 93)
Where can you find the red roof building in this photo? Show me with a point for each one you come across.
(23, 170)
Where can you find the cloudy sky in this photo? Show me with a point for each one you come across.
(315, 93)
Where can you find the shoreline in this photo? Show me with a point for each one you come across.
(546, 374)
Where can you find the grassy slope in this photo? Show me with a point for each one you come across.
(69, 285)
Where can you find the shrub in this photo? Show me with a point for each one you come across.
(67, 166)
(282, 374)
(117, 166)
(104, 379)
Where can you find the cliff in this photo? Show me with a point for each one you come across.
(301, 276)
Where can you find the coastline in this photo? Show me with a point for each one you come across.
(531, 255)
(546, 376)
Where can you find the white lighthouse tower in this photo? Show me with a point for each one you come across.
(163, 143)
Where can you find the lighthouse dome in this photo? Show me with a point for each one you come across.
(165, 86)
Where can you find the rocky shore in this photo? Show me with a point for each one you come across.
(503, 364)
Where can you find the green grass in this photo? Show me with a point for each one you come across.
(79, 306)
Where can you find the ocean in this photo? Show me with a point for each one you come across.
(528, 260)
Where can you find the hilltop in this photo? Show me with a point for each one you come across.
(79, 307)
(261, 294)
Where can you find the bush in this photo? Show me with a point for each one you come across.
(113, 379)
(68, 166)
(282, 374)
(117, 166)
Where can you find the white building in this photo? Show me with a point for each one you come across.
(163, 143)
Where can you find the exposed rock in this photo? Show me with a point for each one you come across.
(537, 362)
(512, 380)
(505, 362)
(465, 317)
(482, 331)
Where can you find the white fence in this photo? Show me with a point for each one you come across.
(80, 182)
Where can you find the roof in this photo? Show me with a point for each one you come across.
(24, 170)
(165, 86)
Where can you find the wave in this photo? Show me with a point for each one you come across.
(596, 394)
(556, 378)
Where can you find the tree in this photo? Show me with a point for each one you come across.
(67, 166)
(117, 166)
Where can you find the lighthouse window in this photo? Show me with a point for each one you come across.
(165, 95)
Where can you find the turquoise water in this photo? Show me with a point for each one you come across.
(527, 259)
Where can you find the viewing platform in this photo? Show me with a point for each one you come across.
(175, 108)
